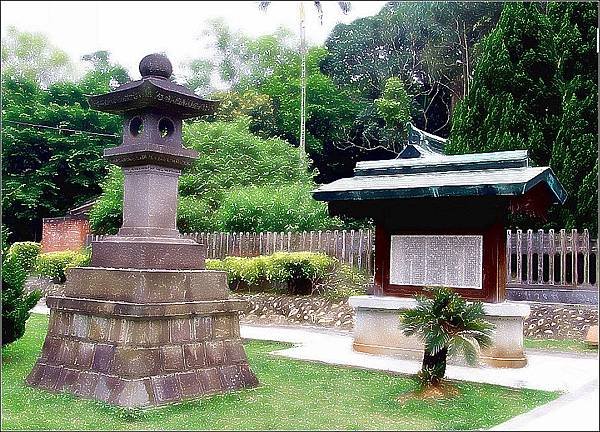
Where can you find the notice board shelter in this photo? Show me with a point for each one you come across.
(440, 221)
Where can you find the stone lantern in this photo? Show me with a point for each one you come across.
(146, 324)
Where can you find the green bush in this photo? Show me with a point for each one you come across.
(240, 182)
(274, 208)
(292, 273)
(26, 253)
(15, 303)
(54, 264)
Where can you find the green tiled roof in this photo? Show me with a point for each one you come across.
(422, 171)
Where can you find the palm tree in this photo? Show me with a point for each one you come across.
(448, 325)
(345, 7)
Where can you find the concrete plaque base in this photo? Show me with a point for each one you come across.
(142, 354)
(377, 331)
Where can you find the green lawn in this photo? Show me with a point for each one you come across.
(564, 345)
(292, 395)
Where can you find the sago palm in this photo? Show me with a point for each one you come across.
(448, 325)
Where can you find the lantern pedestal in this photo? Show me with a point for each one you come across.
(140, 338)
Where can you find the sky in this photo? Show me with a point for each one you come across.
(130, 30)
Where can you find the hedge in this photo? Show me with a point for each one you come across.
(291, 273)
(26, 253)
(54, 264)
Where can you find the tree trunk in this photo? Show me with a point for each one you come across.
(302, 85)
(433, 368)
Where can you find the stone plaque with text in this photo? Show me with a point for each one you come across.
(427, 260)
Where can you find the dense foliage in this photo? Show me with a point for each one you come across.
(48, 166)
(239, 182)
(291, 273)
(429, 45)
(26, 252)
(16, 303)
(535, 88)
(448, 325)
(55, 264)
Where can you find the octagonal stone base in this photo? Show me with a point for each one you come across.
(142, 354)
(377, 331)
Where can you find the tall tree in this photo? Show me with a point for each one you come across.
(104, 75)
(235, 61)
(427, 44)
(52, 146)
(330, 114)
(535, 88)
(30, 56)
(345, 8)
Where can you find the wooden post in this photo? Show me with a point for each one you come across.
(586, 257)
(360, 248)
(574, 253)
(508, 256)
(519, 256)
(351, 257)
(529, 257)
(540, 268)
(563, 257)
(551, 255)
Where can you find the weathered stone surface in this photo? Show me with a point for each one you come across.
(149, 285)
(234, 352)
(210, 380)
(223, 326)
(103, 358)
(215, 353)
(172, 358)
(148, 255)
(232, 378)
(144, 310)
(546, 321)
(194, 355)
(133, 362)
(166, 388)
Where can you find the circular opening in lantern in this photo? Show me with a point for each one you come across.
(136, 126)
(166, 127)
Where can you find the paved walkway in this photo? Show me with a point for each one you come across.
(574, 374)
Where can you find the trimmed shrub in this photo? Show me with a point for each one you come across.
(26, 252)
(291, 273)
(15, 303)
(54, 264)
(274, 208)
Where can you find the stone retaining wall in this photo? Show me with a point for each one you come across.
(546, 321)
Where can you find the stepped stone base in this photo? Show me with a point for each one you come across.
(143, 354)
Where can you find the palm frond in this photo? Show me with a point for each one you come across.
(319, 8)
(345, 6)
(263, 5)
(467, 345)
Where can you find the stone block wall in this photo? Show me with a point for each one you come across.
(64, 233)
(141, 362)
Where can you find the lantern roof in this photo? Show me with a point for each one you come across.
(154, 91)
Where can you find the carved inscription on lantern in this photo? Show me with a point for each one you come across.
(426, 260)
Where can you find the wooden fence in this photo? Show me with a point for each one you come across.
(542, 259)
(534, 259)
(352, 247)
